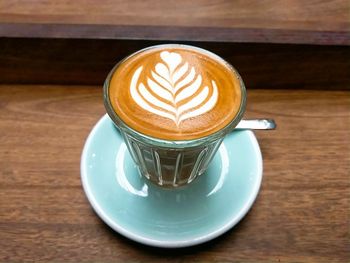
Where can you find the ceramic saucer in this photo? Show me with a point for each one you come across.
(146, 213)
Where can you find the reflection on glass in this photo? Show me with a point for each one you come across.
(224, 169)
(120, 174)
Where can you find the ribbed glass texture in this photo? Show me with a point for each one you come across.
(171, 167)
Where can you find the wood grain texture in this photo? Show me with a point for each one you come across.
(268, 21)
(301, 214)
(83, 61)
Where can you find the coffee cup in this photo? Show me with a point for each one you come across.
(173, 104)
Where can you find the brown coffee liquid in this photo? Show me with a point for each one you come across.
(175, 92)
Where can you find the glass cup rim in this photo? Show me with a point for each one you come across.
(174, 143)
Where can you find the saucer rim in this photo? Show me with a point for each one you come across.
(162, 243)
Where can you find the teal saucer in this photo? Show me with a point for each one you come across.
(146, 213)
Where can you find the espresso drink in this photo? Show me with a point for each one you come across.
(175, 92)
(173, 105)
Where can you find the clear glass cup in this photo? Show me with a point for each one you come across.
(172, 163)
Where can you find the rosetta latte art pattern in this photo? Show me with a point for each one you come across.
(172, 90)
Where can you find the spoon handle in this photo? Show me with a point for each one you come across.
(257, 124)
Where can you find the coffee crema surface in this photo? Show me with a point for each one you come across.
(175, 92)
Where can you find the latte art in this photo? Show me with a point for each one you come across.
(175, 92)
(168, 87)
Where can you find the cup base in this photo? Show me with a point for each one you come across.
(168, 166)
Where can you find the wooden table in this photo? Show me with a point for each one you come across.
(295, 59)
(301, 213)
(268, 21)
(274, 44)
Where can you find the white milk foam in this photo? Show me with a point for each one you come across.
(167, 79)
